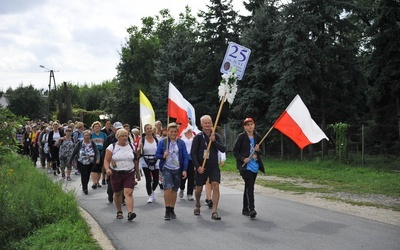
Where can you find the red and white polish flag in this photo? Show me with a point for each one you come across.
(177, 107)
(296, 123)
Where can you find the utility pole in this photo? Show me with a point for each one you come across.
(48, 95)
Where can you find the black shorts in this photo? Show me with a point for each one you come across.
(97, 167)
(214, 174)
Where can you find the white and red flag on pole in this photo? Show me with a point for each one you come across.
(296, 123)
(180, 109)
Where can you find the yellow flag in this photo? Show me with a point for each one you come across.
(147, 115)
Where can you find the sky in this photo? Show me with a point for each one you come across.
(79, 40)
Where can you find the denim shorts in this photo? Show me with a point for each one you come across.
(171, 179)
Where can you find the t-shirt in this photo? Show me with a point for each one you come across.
(99, 140)
(172, 161)
(123, 157)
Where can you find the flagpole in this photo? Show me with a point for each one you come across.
(213, 131)
(262, 140)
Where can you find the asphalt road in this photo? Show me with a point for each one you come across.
(280, 224)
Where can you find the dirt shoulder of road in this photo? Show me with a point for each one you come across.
(335, 203)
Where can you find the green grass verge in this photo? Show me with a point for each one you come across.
(35, 213)
(334, 177)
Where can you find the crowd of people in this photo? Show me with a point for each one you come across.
(117, 156)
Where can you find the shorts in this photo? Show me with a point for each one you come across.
(119, 181)
(171, 179)
(97, 167)
(214, 174)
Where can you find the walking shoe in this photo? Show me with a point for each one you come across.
(94, 186)
(77, 172)
(167, 216)
(49, 171)
(63, 175)
(55, 173)
(103, 182)
(172, 215)
(98, 185)
(190, 197)
(181, 194)
(58, 170)
(153, 196)
(69, 178)
(150, 200)
(252, 214)
(246, 212)
(85, 191)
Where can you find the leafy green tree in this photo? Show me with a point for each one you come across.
(384, 74)
(219, 26)
(177, 63)
(27, 102)
(137, 65)
(255, 88)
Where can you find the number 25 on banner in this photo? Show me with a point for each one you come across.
(236, 55)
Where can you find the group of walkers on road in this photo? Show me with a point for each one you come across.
(116, 156)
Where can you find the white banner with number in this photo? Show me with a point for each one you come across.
(238, 56)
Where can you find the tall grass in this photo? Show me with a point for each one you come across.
(35, 212)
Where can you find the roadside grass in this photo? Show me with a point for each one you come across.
(35, 213)
(329, 176)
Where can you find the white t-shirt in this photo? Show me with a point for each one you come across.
(188, 142)
(123, 157)
(148, 149)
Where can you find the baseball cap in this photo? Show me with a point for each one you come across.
(248, 120)
(117, 125)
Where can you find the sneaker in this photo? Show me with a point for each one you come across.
(69, 178)
(167, 216)
(150, 200)
(103, 182)
(153, 195)
(190, 197)
(172, 215)
(50, 171)
(63, 175)
(252, 214)
(123, 203)
(77, 172)
(58, 171)
(181, 194)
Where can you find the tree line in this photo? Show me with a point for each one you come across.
(341, 56)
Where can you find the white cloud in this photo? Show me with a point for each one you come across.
(77, 39)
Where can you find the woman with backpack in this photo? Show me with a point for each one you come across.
(148, 161)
